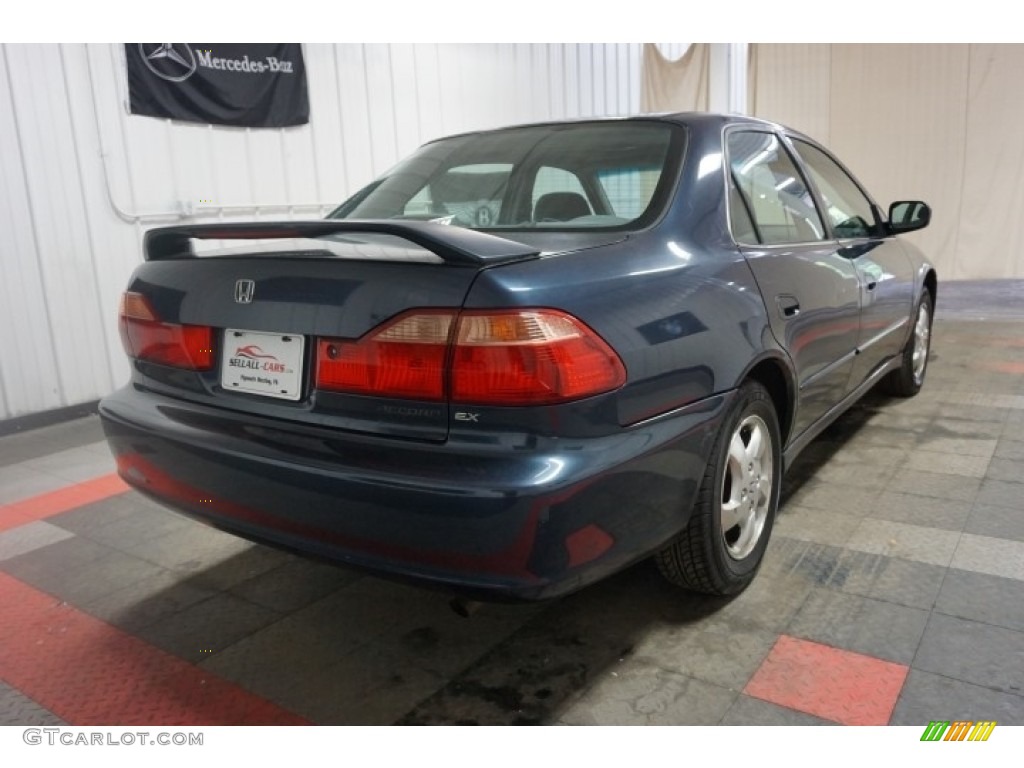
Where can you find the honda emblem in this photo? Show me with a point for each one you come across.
(244, 290)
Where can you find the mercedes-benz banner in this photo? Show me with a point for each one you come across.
(257, 85)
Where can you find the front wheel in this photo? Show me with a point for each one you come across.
(906, 380)
(721, 547)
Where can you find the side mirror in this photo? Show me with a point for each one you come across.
(908, 215)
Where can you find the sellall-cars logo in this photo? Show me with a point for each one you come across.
(958, 730)
(254, 358)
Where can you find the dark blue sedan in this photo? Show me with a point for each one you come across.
(525, 358)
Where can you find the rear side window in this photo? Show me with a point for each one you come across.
(629, 190)
(770, 200)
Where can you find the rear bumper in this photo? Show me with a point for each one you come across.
(474, 517)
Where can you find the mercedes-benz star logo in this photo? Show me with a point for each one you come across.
(244, 290)
(169, 61)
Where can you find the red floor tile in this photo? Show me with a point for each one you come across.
(838, 685)
(89, 673)
(63, 499)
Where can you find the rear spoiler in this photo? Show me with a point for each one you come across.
(453, 245)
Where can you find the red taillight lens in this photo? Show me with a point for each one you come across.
(514, 357)
(146, 338)
(530, 357)
(406, 358)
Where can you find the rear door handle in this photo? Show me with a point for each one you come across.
(789, 306)
(871, 286)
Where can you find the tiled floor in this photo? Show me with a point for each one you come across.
(893, 591)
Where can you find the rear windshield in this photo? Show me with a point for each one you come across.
(613, 175)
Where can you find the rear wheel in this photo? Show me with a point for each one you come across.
(721, 548)
(906, 380)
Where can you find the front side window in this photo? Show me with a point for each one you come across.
(847, 208)
(770, 201)
(579, 176)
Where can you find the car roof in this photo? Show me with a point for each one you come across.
(700, 120)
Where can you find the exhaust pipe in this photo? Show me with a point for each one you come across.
(465, 608)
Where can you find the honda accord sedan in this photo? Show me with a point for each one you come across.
(526, 358)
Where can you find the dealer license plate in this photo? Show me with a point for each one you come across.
(268, 364)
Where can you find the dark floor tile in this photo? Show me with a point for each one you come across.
(890, 579)
(984, 598)
(750, 711)
(935, 484)
(207, 627)
(1001, 493)
(88, 518)
(1010, 449)
(60, 561)
(294, 584)
(1008, 470)
(147, 600)
(926, 697)
(18, 709)
(883, 630)
(36, 443)
(996, 521)
(977, 653)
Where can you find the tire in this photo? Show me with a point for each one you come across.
(705, 556)
(906, 380)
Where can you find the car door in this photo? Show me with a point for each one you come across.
(885, 270)
(811, 290)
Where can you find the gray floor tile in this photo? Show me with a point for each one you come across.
(1001, 493)
(935, 484)
(18, 709)
(18, 483)
(976, 653)
(909, 508)
(637, 693)
(996, 522)
(750, 711)
(1010, 449)
(1008, 470)
(983, 448)
(984, 554)
(87, 518)
(815, 525)
(191, 549)
(720, 651)
(884, 630)
(948, 464)
(980, 597)
(73, 465)
(909, 542)
(56, 564)
(926, 697)
(29, 537)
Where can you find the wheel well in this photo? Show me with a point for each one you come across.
(932, 284)
(772, 376)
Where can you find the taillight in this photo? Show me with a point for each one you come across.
(506, 357)
(530, 357)
(405, 358)
(145, 337)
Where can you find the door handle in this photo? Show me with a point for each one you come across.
(789, 306)
(871, 286)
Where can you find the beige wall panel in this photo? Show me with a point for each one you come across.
(991, 240)
(791, 85)
(898, 117)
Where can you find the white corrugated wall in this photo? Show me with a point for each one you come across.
(81, 179)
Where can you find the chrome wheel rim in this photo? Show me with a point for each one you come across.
(922, 332)
(746, 491)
